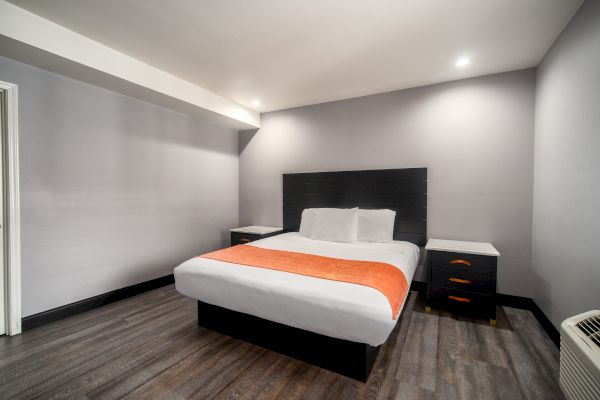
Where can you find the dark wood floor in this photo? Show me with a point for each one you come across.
(149, 347)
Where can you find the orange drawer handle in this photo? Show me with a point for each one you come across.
(459, 280)
(244, 240)
(463, 262)
(461, 299)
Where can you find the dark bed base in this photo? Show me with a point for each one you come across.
(351, 359)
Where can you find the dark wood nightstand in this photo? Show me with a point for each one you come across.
(251, 233)
(461, 276)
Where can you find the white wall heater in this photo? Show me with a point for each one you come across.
(580, 356)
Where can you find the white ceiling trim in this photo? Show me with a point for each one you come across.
(32, 30)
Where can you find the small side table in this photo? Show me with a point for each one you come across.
(461, 276)
(248, 234)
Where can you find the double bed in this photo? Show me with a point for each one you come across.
(331, 323)
(328, 307)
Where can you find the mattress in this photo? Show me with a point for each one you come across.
(338, 309)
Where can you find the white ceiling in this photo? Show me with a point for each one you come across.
(290, 53)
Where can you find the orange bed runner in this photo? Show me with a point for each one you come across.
(384, 277)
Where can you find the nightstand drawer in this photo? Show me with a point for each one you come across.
(461, 263)
(462, 301)
(450, 279)
(241, 238)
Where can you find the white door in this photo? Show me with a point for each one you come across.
(2, 262)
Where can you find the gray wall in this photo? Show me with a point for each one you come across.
(114, 191)
(475, 136)
(566, 223)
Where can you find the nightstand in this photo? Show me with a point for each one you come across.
(252, 233)
(461, 276)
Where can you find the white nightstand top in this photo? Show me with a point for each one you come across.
(455, 246)
(257, 230)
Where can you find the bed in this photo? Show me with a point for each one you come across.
(332, 308)
(336, 325)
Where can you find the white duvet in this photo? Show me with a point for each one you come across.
(337, 309)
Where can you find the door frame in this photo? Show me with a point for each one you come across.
(12, 227)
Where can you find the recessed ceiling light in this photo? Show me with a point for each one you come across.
(255, 102)
(463, 62)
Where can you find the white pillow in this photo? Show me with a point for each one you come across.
(306, 223)
(335, 225)
(376, 225)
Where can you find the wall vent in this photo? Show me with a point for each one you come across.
(580, 356)
(591, 328)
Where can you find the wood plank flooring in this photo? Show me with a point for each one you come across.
(150, 347)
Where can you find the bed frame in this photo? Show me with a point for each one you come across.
(401, 190)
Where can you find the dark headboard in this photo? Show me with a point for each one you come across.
(401, 190)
